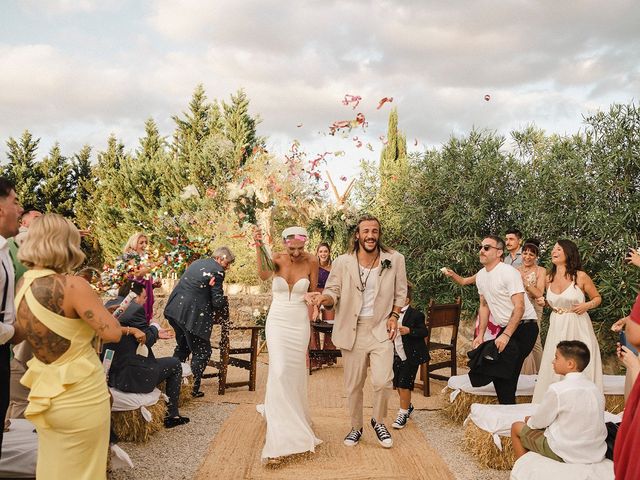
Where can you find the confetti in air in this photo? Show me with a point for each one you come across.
(383, 101)
(351, 99)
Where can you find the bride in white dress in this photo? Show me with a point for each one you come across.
(286, 406)
(567, 285)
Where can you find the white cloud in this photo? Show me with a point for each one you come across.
(543, 62)
(67, 6)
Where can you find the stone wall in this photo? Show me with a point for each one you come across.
(244, 299)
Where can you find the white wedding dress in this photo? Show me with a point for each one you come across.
(566, 325)
(286, 406)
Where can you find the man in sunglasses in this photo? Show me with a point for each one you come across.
(502, 293)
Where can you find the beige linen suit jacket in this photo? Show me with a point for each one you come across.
(342, 285)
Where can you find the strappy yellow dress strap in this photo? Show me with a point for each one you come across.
(61, 325)
(48, 381)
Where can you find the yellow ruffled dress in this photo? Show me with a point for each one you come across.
(69, 400)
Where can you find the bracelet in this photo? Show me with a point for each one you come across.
(395, 314)
(503, 333)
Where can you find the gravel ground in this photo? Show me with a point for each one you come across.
(447, 439)
(176, 454)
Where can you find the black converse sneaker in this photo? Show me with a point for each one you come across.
(353, 438)
(384, 437)
(401, 420)
(410, 410)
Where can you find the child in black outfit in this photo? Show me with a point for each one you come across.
(410, 351)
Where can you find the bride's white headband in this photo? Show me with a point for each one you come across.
(295, 233)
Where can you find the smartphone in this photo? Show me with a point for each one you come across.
(625, 343)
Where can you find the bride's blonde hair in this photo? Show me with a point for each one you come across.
(52, 242)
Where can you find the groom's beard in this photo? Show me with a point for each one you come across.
(369, 247)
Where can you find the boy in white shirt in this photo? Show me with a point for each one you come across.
(569, 423)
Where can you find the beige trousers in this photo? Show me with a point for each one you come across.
(379, 356)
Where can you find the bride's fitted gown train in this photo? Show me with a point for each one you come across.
(566, 325)
(286, 406)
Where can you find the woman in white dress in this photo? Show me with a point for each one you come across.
(286, 406)
(567, 285)
(534, 278)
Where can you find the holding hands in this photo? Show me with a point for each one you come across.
(311, 298)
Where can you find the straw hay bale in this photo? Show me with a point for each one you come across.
(614, 403)
(185, 390)
(130, 426)
(480, 444)
(460, 408)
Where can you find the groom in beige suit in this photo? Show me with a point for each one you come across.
(368, 288)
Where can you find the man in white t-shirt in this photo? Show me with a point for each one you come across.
(502, 293)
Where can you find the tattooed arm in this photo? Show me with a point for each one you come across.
(89, 307)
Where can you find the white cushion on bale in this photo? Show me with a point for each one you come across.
(497, 419)
(461, 383)
(533, 466)
(613, 384)
(19, 450)
(124, 402)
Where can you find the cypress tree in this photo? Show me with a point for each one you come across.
(393, 159)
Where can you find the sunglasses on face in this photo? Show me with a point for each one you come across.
(486, 248)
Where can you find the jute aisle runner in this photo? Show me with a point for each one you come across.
(235, 452)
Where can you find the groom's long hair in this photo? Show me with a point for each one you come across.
(356, 245)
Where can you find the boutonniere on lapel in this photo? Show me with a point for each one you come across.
(385, 265)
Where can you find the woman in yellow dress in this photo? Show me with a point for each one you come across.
(59, 315)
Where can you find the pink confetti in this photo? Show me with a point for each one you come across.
(349, 99)
(336, 126)
(384, 100)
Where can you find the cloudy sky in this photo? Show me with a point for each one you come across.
(75, 71)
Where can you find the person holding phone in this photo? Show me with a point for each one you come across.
(627, 354)
(626, 462)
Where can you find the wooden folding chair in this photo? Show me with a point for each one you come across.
(438, 316)
(227, 357)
